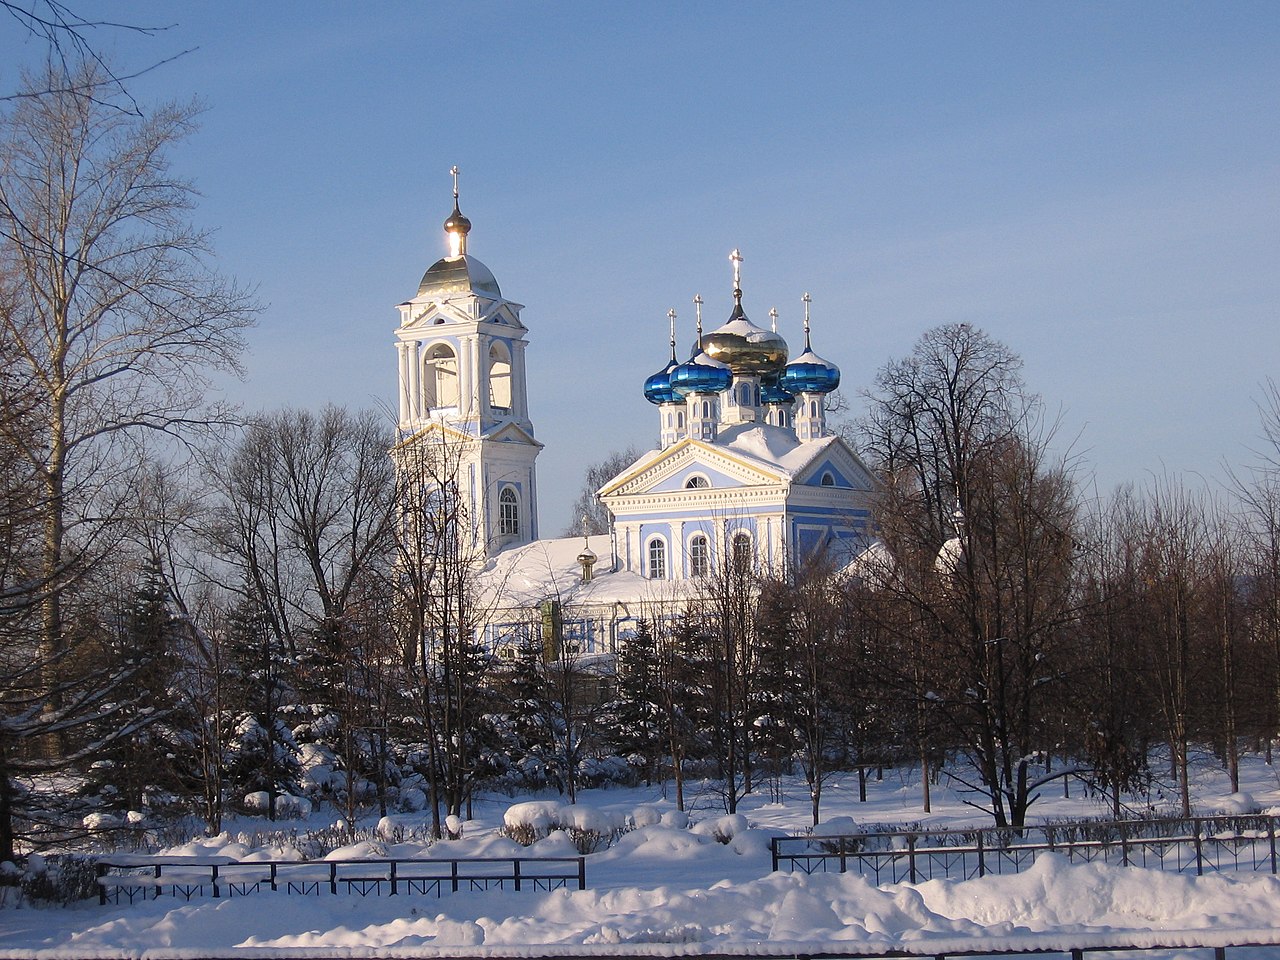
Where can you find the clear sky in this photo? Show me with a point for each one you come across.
(1095, 184)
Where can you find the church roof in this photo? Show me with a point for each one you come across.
(460, 274)
(532, 573)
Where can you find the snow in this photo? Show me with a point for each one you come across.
(667, 889)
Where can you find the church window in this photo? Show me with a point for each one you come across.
(706, 408)
(813, 408)
(741, 553)
(744, 395)
(782, 418)
(828, 480)
(508, 513)
(499, 377)
(679, 419)
(699, 556)
(440, 380)
(657, 559)
(696, 482)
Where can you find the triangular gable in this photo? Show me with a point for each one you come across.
(435, 426)
(511, 433)
(648, 473)
(848, 471)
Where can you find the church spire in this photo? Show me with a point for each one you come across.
(457, 226)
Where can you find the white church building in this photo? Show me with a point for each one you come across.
(746, 470)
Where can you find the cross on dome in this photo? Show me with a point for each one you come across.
(457, 226)
(736, 258)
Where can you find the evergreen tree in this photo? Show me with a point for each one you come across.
(264, 756)
(638, 730)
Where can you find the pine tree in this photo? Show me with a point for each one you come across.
(264, 757)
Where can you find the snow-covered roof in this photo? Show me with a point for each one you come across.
(533, 573)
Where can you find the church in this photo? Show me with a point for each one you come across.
(746, 471)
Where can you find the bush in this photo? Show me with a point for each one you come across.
(62, 880)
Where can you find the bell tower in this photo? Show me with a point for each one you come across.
(463, 396)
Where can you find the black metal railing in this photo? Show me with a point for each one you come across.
(1198, 844)
(129, 879)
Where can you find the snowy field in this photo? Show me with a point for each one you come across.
(664, 890)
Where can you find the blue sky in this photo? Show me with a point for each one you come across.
(1095, 184)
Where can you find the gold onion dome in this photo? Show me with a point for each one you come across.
(457, 223)
(458, 273)
(745, 348)
(742, 346)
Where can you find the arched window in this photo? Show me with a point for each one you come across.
(782, 418)
(813, 408)
(696, 482)
(440, 377)
(699, 556)
(508, 513)
(679, 419)
(741, 552)
(499, 377)
(706, 408)
(828, 480)
(744, 395)
(657, 559)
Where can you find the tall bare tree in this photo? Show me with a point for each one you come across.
(980, 520)
(113, 319)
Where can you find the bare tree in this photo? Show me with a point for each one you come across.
(113, 319)
(980, 521)
(587, 509)
(441, 556)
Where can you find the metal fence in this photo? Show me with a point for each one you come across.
(1200, 845)
(128, 879)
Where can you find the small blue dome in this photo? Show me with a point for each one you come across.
(809, 373)
(657, 389)
(701, 374)
(771, 392)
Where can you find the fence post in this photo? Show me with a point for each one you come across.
(333, 877)
(1271, 836)
(582, 873)
(273, 876)
(911, 855)
(213, 875)
(394, 889)
(1077, 953)
(773, 849)
(1124, 848)
(454, 871)
(1195, 827)
(515, 872)
(844, 863)
(100, 870)
(982, 860)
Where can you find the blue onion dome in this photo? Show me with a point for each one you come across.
(771, 391)
(701, 374)
(657, 389)
(809, 373)
(744, 347)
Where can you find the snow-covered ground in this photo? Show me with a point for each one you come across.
(663, 889)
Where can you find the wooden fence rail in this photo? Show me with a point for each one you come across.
(129, 879)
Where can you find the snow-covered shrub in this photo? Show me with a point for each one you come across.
(723, 829)
(63, 879)
(453, 827)
(590, 829)
(411, 800)
(1236, 805)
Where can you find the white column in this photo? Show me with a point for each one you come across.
(519, 392)
(415, 368)
(677, 550)
(402, 353)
